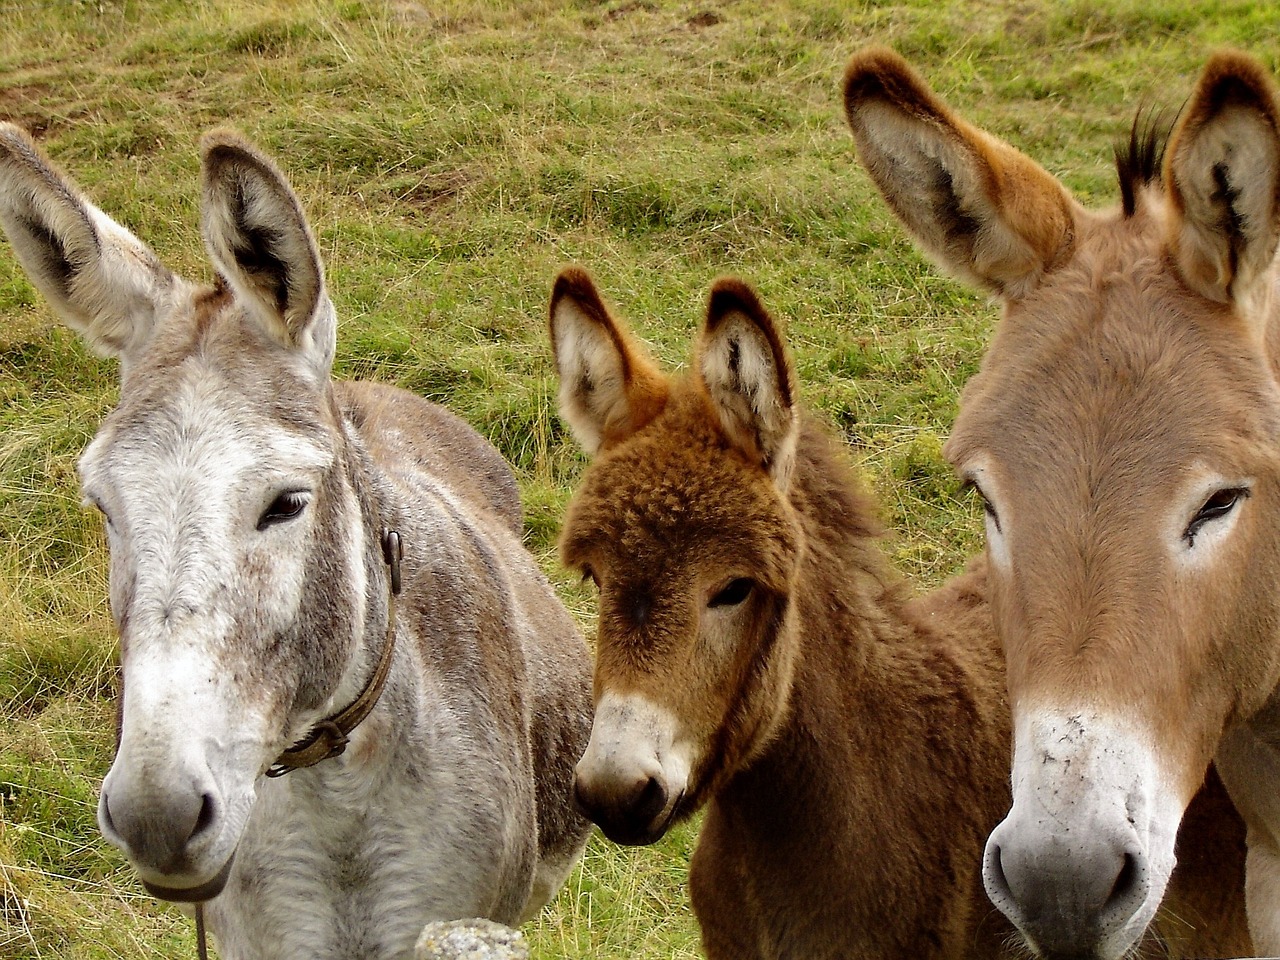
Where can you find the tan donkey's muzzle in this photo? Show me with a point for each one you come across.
(1071, 893)
(1080, 863)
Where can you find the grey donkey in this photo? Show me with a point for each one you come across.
(256, 513)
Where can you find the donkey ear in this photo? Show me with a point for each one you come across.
(1222, 169)
(259, 241)
(748, 376)
(609, 388)
(102, 281)
(977, 205)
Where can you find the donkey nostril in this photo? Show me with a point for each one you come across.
(104, 810)
(204, 820)
(650, 801)
(993, 877)
(1128, 885)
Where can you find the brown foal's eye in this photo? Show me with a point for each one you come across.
(733, 594)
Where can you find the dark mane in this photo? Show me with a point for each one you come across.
(1138, 162)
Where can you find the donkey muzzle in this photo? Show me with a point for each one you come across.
(1072, 895)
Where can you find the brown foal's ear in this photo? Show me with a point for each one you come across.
(749, 378)
(1222, 171)
(609, 388)
(979, 207)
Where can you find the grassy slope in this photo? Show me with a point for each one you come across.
(451, 155)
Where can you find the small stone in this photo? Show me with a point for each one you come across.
(470, 940)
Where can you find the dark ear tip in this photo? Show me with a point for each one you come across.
(222, 141)
(575, 283)
(226, 146)
(870, 72)
(570, 281)
(1235, 76)
(731, 295)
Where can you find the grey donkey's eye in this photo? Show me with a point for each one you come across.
(286, 506)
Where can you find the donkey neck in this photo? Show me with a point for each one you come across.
(850, 602)
(894, 728)
(867, 664)
(373, 505)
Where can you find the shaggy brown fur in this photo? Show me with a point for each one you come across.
(850, 743)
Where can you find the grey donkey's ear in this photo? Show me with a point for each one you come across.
(748, 376)
(609, 388)
(102, 281)
(259, 241)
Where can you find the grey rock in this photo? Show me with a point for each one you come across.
(470, 940)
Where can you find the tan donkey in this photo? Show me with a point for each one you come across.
(1124, 432)
(758, 656)
(427, 711)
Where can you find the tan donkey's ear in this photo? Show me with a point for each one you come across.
(978, 206)
(748, 376)
(609, 388)
(1222, 168)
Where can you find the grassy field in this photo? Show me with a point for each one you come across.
(451, 156)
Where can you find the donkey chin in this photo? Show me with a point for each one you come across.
(633, 779)
(1081, 862)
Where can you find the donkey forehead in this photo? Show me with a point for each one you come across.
(199, 415)
(1103, 371)
(671, 499)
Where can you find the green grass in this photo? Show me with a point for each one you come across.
(451, 156)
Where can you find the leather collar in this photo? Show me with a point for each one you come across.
(329, 737)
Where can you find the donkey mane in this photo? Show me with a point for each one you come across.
(836, 499)
(1139, 162)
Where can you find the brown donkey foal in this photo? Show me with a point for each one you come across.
(1124, 432)
(758, 655)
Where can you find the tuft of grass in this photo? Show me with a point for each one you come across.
(451, 157)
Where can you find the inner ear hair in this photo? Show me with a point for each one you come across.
(100, 279)
(981, 208)
(748, 376)
(609, 387)
(1222, 168)
(257, 233)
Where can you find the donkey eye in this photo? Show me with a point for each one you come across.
(1219, 504)
(987, 508)
(286, 506)
(97, 505)
(733, 594)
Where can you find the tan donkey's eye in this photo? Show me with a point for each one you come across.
(987, 508)
(1218, 505)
